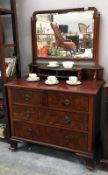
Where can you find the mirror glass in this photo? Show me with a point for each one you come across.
(66, 35)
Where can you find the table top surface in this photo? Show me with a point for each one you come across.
(86, 87)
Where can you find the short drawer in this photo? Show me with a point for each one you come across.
(27, 97)
(68, 101)
(54, 136)
(55, 118)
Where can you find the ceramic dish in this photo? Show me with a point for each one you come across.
(37, 79)
(73, 84)
(68, 64)
(57, 65)
(50, 83)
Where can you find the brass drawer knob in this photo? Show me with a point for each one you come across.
(67, 119)
(29, 131)
(27, 97)
(66, 102)
(28, 114)
(67, 139)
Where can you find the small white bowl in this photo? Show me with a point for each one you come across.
(68, 64)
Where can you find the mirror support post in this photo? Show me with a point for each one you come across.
(96, 38)
(34, 39)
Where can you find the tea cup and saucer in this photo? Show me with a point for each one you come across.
(73, 80)
(32, 77)
(51, 80)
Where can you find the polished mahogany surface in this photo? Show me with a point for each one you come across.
(87, 87)
(60, 116)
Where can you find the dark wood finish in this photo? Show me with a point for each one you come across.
(59, 116)
(92, 73)
(5, 11)
(95, 34)
(104, 129)
(2, 65)
(9, 13)
(57, 136)
(96, 38)
(15, 37)
(15, 44)
(13, 145)
(83, 72)
(51, 117)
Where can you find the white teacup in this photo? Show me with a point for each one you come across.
(73, 79)
(32, 76)
(52, 79)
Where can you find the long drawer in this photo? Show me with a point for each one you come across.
(68, 101)
(78, 121)
(63, 101)
(50, 135)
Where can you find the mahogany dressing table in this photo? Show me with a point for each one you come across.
(60, 116)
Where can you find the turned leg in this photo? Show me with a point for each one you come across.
(90, 164)
(13, 145)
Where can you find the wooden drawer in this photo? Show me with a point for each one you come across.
(54, 136)
(55, 118)
(27, 97)
(68, 101)
(64, 119)
(25, 113)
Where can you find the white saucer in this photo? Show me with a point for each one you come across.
(57, 65)
(50, 83)
(37, 79)
(73, 84)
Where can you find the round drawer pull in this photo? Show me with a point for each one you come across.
(27, 97)
(29, 131)
(67, 119)
(28, 114)
(66, 102)
(67, 139)
(70, 138)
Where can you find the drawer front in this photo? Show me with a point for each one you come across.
(27, 97)
(55, 136)
(68, 101)
(25, 113)
(64, 119)
(50, 117)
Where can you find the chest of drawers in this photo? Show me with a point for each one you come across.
(59, 116)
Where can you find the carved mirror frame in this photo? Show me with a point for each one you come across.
(96, 17)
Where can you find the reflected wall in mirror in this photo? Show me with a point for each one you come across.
(65, 34)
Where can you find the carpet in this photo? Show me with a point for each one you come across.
(32, 159)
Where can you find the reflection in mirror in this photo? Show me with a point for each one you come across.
(65, 35)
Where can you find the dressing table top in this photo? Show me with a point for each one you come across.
(86, 87)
